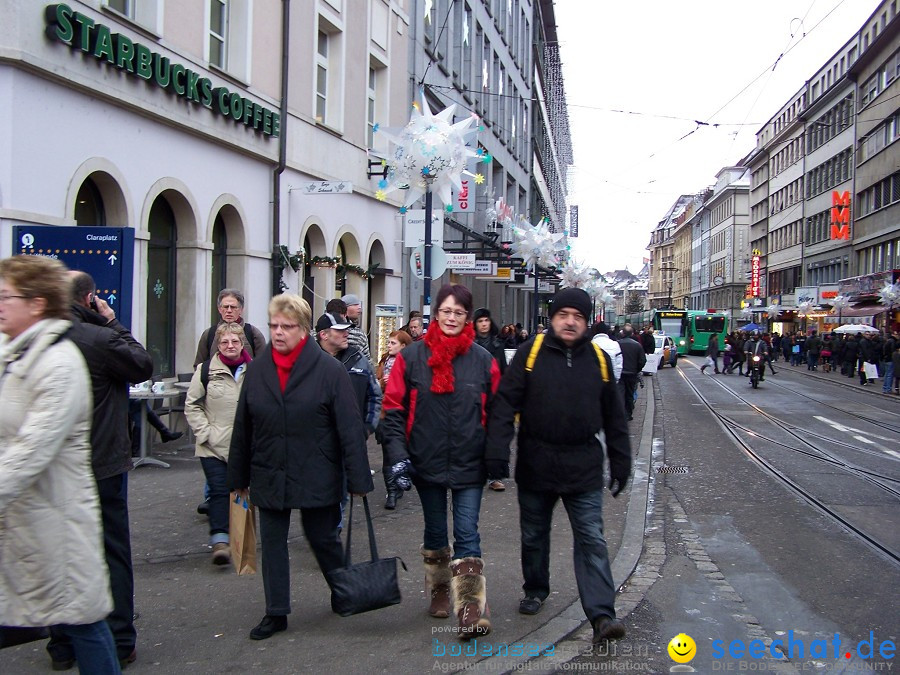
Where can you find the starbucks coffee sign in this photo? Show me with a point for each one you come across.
(118, 51)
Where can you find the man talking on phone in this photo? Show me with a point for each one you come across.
(114, 359)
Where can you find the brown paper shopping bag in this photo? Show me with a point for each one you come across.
(242, 534)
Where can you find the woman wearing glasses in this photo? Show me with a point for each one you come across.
(297, 434)
(435, 407)
(52, 568)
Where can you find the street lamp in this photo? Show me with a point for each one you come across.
(669, 270)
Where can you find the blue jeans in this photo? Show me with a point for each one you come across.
(215, 470)
(592, 572)
(466, 509)
(888, 376)
(812, 360)
(95, 650)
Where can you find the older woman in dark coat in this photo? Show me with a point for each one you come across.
(297, 435)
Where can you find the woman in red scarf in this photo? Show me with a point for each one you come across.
(298, 438)
(434, 429)
(209, 408)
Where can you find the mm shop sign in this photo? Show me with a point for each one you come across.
(81, 32)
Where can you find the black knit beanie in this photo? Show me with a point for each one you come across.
(572, 297)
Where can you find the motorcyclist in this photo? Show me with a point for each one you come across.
(755, 346)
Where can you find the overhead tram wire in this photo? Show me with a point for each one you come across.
(438, 40)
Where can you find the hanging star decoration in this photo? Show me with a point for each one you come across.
(805, 308)
(889, 294)
(747, 312)
(536, 244)
(576, 274)
(839, 303)
(504, 212)
(379, 195)
(430, 152)
(773, 310)
(479, 179)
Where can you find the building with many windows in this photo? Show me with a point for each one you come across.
(207, 130)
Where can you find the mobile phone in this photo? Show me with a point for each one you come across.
(93, 303)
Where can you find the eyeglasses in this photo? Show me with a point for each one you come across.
(458, 313)
(283, 326)
(229, 307)
(7, 297)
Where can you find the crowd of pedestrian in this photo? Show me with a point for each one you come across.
(284, 425)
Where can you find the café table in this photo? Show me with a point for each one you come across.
(145, 398)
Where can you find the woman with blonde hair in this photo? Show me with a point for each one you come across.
(209, 408)
(298, 437)
(53, 569)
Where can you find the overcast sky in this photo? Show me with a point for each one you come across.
(685, 59)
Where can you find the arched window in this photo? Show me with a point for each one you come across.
(161, 287)
(219, 264)
(89, 205)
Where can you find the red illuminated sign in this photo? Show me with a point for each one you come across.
(840, 215)
(754, 277)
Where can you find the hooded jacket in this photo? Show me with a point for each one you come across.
(491, 342)
(52, 566)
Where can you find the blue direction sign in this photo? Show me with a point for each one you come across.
(106, 253)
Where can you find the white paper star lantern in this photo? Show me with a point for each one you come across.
(576, 275)
(839, 302)
(773, 310)
(889, 294)
(430, 151)
(536, 244)
(747, 312)
(804, 308)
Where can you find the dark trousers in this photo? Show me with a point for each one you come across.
(113, 493)
(739, 364)
(591, 556)
(215, 470)
(320, 525)
(628, 385)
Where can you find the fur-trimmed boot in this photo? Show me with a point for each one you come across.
(469, 594)
(437, 580)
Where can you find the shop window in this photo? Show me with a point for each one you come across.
(161, 288)
(145, 13)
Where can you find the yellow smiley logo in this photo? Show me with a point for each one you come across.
(682, 648)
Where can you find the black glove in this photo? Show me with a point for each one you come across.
(398, 476)
(618, 477)
(497, 469)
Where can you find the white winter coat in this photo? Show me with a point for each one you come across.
(211, 413)
(52, 565)
(613, 350)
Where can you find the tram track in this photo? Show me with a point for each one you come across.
(735, 429)
(869, 420)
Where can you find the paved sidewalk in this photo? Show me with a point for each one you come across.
(195, 617)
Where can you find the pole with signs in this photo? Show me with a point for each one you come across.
(426, 300)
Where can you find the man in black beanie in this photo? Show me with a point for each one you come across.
(564, 390)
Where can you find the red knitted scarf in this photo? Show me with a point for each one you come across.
(443, 350)
(285, 362)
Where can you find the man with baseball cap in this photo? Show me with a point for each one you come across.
(357, 335)
(333, 334)
(563, 387)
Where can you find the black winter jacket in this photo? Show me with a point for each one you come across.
(114, 359)
(563, 402)
(442, 434)
(365, 386)
(633, 357)
(494, 345)
(292, 449)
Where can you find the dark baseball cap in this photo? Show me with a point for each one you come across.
(331, 320)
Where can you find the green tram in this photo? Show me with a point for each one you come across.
(671, 322)
(702, 324)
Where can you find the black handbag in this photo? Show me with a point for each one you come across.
(367, 585)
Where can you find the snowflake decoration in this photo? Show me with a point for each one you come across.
(536, 244)
(380, 195)
(479, 179)
(576, 275)
(158, 288)
(430, 152)
(889, 293)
